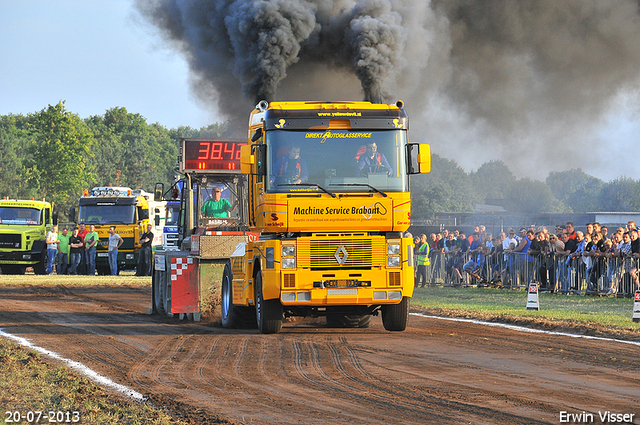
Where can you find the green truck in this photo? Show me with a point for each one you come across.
(23, 230)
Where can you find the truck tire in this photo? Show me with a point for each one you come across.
(159, 292)
(395, 317)
(348, 320)
(103, 271)
(41, 266)
(227, 311)
(234, 316)
(268, 312)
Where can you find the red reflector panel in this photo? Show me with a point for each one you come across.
(184, 285)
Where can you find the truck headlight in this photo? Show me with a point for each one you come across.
(288, 250)
(393, 249)
(395, 295)
(303, 296)
(393, 261)
(288, 263)
(288, 296)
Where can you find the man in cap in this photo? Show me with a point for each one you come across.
(217, 206)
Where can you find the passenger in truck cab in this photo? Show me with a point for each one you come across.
(372, 161)
(290, 168)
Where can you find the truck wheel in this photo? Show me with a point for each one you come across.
(268, 312)
(234, 316)
(228, 310)
(348, 320)
(159, 292)
(395, 317)
(103, 271)
(41, 266)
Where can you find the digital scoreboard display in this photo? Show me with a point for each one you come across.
(211, 155)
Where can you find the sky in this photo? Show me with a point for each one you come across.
(97, 55)
(94, 55)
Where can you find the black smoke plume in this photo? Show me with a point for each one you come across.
(250, 45)
(530, 82)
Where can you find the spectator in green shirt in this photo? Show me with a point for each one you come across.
(90, 242)
(63, 251)
(217, 206)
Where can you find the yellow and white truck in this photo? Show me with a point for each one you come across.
(123, 207)
(329, 194)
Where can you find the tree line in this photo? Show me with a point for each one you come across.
(54, 154)
(449, 188)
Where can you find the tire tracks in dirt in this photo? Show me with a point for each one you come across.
(446, 373)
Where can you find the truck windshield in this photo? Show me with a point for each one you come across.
(217, 204)
(336, 160)
(20, 216)
(106, 214)
(173, 213)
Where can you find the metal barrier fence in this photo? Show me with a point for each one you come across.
(554, 273)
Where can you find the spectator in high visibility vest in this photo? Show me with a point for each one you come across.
(423, 261)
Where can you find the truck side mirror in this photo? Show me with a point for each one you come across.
(260, 154)
(246, 159)
(158, 192)
(418, 158)
(157, 220)
(251, 155)
(72, 215)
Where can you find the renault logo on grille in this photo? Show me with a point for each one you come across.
(341, 255)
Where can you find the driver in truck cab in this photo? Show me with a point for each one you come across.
(372, 161)
(291, 167)
(217, 206)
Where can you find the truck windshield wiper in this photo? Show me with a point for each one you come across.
(362, 184)
(333, 195)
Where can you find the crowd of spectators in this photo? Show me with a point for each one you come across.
(590, 261)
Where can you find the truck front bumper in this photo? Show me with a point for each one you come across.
(365, 287)
(342, 296)
(20, 257)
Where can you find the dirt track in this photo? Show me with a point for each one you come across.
(435, 372)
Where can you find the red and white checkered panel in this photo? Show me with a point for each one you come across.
(185, 288)
(181, 266)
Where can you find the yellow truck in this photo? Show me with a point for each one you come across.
(123, 207)
(329, 194)
(23, 228)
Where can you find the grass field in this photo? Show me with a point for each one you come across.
(30, 384)
(606, 316)
(124, 278)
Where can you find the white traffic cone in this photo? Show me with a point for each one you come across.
(532, 298)
(636, 307)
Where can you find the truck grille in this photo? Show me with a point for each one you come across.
(361, 252)
(9, 241)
